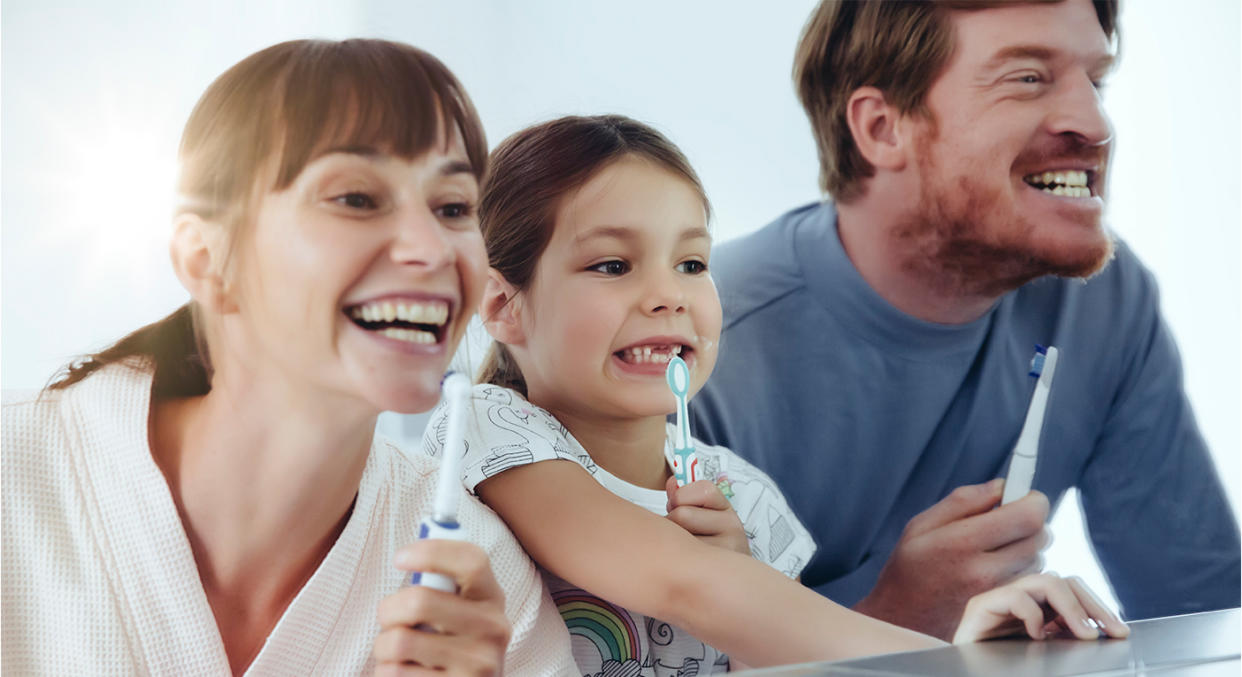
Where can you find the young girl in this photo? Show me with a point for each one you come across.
(596, 230)
(207, 496)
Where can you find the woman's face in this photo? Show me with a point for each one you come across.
(357, 281)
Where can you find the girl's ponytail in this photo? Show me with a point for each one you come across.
(499, 368)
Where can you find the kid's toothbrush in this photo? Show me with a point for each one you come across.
(1026, 451)
(443, 520)
(685, 461)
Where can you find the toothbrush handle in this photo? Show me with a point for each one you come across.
(430, 528)
(1018, 481)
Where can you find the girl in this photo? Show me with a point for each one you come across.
(596, 230)
(207, 496)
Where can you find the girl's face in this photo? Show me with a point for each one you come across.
(358, 279)
(622, 287)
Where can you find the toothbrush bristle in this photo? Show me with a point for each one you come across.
(1037, 361)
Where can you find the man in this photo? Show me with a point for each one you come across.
(875, 353)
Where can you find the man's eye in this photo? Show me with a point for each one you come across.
(692, 267)
(355, 201)
(613, 267)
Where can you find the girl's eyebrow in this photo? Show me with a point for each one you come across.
(627, 233)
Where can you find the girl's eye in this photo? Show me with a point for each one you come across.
(692, 267)
(355, 201)
(613, 267)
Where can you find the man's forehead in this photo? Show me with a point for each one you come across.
(1041, 30)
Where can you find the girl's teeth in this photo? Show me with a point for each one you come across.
(649, 355)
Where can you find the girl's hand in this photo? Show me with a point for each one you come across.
(1038, 603)
(424, 630)
(701, 509)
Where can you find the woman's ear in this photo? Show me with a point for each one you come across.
(877, 129)
(501, 310)
(197, 252)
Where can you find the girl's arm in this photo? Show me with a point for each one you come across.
(581, 532)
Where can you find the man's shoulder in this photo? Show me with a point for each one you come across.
(756, 269)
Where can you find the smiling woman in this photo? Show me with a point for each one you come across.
(212, 481)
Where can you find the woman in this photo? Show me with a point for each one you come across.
(207, 494)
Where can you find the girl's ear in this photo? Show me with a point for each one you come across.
(197, 253)
(877, 129)
(501, 310)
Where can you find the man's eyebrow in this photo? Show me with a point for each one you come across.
(1040, 53)
(1019, 52)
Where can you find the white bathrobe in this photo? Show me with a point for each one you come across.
(98, 576)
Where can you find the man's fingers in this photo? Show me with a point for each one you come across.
(1000, 527)
(1020, 558)
(964, 501)
(464, 562)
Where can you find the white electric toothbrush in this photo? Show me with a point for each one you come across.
(443, 520)
(1026, 451)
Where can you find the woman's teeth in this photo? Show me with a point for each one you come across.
(1067, 183)
(660, 354)
(402, 320)
(421, 312)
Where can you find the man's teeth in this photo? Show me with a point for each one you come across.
(408, 335)
(419, 312)
(1067, 183)
(650, 354)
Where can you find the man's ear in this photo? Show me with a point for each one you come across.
(197, 252)
(877, 128)
(501, 310)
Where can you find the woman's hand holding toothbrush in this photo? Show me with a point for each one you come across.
(424, 628)
(701, 509)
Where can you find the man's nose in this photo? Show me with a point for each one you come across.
(1079, 111)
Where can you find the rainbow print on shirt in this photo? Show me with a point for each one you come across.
(608, 627)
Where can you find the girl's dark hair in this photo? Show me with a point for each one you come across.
(254, 130)
(529, 175)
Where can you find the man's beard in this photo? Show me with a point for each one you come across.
(964, 240)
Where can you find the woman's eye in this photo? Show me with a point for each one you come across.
(456, 210)
(613, 267)
(692, 267)
(355, 201)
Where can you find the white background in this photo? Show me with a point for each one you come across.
(94, 96)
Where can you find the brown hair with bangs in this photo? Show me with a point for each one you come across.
(530, 174)
(257, 127)
(898, 47)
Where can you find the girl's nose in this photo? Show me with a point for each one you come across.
(664, 295)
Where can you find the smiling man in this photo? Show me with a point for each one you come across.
(876, 346)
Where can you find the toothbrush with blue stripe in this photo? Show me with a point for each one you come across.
(1026, 451)
(443, 520)
(685, 461)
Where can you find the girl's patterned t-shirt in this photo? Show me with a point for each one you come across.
(505, 431)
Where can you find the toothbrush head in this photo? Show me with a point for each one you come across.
(1037, 361)
(455, 385)
(678, 375)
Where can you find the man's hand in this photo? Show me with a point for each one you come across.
(701, 509)
(424, 630)
(955, 550)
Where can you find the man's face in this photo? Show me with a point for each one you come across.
(1011, 165)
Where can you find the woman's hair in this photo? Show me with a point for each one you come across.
(898, 47)
(254, 130)
(529, 175)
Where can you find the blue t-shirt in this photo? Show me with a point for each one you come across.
(866, 416)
